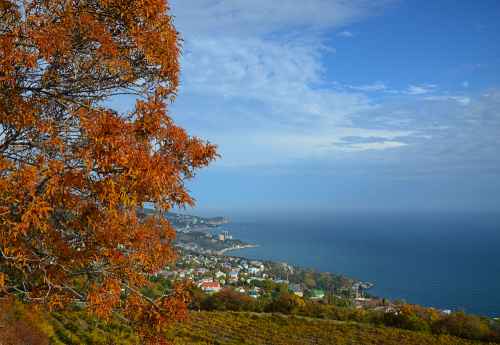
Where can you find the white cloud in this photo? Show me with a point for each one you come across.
(420, 89)
(412, 90)
(384, 145)
(463, 100)
(273, 145)
(242, 17)
(283, 81)
(265, 90)
(377, 86)
(345, 34)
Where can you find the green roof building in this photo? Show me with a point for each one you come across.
(317, 294)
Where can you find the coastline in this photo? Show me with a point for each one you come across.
(225, 250)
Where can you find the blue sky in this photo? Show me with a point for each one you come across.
(343, 105)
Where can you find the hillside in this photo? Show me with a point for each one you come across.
(19, 326)
(227, 328)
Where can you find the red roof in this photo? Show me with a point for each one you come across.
(210, 285)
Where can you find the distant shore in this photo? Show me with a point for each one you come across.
(225, 250)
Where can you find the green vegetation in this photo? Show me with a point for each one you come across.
(75, 328)
(405, 316)
(21, 325)
(278, 317)
(229, 328)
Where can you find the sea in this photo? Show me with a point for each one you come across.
(442, 260)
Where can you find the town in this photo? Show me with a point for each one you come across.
(207, 243)
(202, 261)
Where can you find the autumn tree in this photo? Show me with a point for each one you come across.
(73, 171)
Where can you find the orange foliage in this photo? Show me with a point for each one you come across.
(73, 171)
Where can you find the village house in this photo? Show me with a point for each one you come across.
(253, 270)
(233, 276)
(317, 294)
(210, 287)
(296, 289)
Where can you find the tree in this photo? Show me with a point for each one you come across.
(73, 171)
(285, 303)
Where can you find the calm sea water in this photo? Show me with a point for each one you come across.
(449, 261)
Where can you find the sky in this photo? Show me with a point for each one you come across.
(331, 105)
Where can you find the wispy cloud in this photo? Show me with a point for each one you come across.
(421, 89)
(241, 17)
(345, 34)
(463, 100)
(357, 143)
(254, 82)
(280, 81)
(377, 86)
(269, 82)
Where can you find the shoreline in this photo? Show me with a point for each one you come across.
(225, 250)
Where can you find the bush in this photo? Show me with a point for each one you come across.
(285, 303)
(464, 326)
(228, 299)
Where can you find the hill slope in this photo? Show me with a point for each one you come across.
(227, 328)
(204, 328)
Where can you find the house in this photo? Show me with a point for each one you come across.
(253, 293)
(281, 281)
(233, 276)
(201, 270)
(210, 287)
(253, 270)
(296, 289)
(317, 294)
(205, 280)
(166, 273)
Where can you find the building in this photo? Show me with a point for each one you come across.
(253, 270)
(281, 281)
(210, 287)
(233, 276)
(296, 289)
(255, 292)
(227, 236)
(317, 294)
(201, 270)
(205, 280)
